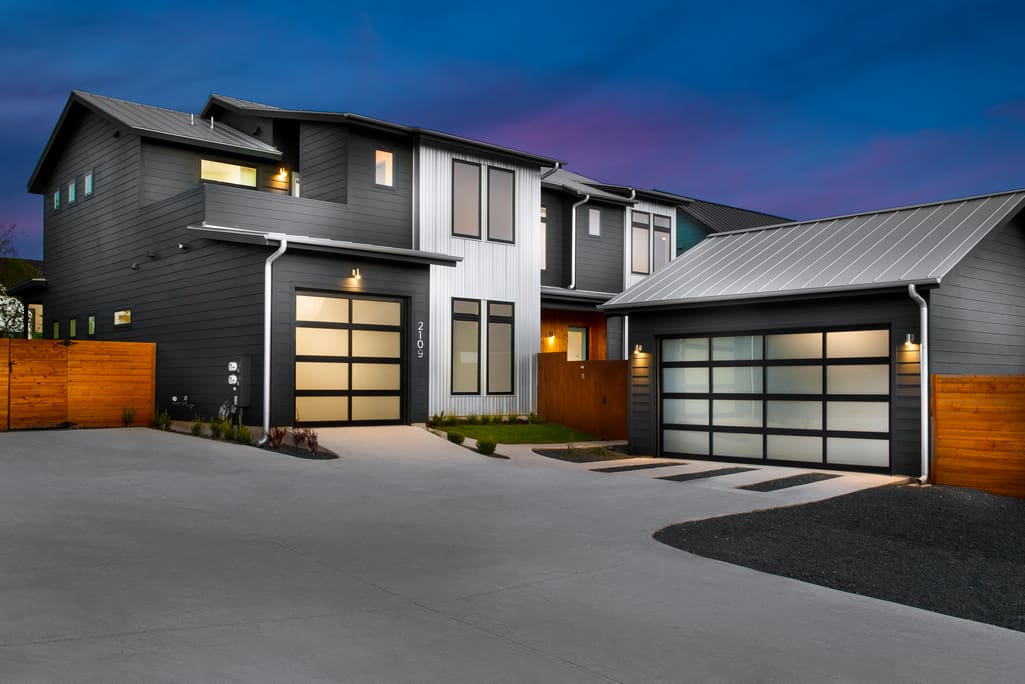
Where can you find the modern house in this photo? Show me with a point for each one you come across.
(813, 342)
(390, 271)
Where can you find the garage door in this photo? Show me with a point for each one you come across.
(804, 397)
(349, 362)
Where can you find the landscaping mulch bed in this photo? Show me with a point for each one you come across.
(584, 454)
(945, 549)
(705, 474)
(637, 466)
(787, 482)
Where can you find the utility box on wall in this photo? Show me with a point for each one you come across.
(238, 376)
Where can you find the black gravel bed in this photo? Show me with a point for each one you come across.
(787, 482)
(640, 466)
(705, 473)
(945, 549)
(584, 454)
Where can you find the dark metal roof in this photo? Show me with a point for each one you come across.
(720, 218)
(304, 242)
(553, 294)
(875, 250)
(581, 185)
(423, 133)
(158, 123)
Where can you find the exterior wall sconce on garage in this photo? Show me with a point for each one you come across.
(638, 348)
(356, 274)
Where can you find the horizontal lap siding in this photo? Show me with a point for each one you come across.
(168, 170)
(555, 324)
(590, 396)
(980, 432)
(5, 357)
(105, 378)
(323, 150)
(600, 258)
(556, 274)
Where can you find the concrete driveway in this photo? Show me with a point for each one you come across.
(139, 556)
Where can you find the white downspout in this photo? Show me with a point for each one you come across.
(268, 279)
(558, 165)
(923, 360)
(573, 242)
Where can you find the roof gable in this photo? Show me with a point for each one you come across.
(875, 250)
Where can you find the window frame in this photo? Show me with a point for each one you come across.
(72, 191)
(665, 230)
(72, 327)
(452, 358)
(470, 236)
(635, 225)
(88, 183)
(502, 319)
(57, 199)
(128, 323)
(594, 227)
(256, 173)
(585, 337)
(55, 329)
(512, 204)
(390, 168)
(544, 237)
(90, 325)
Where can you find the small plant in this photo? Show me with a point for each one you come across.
(163, 420)
(473, 419)
(486, 446)
(512, 419)
(312, 442)
(449, 420)
(571, 446)
(495, 419)
(299, 436)
(197, 426)
(534, 418)
(227, 429)
(242, 433)
(455, 437)
(128, 415)
(437, 419)
(276, 436)
(216, 428)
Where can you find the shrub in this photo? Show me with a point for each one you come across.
(473, 419)
(197, 426)
(299, 436)
(512, 419)
(128, 415)
(242, 433)
(227, 429)
(448, 420)
(163, 420)
(534, 418)
(437, 419)
(312, 442)
(455, 437)
(216, 427)
(276, 436)
(486, 446)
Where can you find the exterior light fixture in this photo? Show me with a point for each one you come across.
(638, 348)
(909, 339)
(134, 266)
(356, 274)
(282, 173)
(183, 246)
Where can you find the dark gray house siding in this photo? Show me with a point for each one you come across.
(600, 258)
(977, 315)
(556, 273)
(893, 310)
(322, 161)
(326, 273)
(168, 170)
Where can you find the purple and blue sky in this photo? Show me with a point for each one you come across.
(802, 109)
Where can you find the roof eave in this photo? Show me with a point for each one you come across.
(33, 184)
(194, 142)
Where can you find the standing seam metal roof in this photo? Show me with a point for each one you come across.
(882, 249)
(721, 217)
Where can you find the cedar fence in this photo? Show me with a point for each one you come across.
(54, 383)
(979, 432)
(589, 396)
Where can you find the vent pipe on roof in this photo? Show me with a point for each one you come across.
(192, 119)
(211, 123)
(923, 362)
(573, 242)
(268, 279)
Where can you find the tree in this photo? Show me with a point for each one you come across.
(12, 311)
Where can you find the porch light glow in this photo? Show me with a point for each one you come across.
(909, 340)
(356, 274)
(638, 349)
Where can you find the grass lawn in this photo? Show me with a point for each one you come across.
(530, 433)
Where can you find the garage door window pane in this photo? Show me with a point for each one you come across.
(685, 442)
(313, 409)
(322, 309)
(855, 343)
(871, 379)
(794, 379)
(795, 415)
(376, 343)
(794, 346)
(741, 413)
(376, 408)
(321, 342)
(376, 376)
(370, 312)
(736, 445)
(858, 416)
(858, 452)
(737, 380)
(685, 380)
(685, 411)
(691, 349)
(791, 448)
(742, 348)
(321, 376)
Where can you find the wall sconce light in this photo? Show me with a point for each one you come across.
(356, 274)
(551, 335)
(909, 340)
(134, 266)
(183, 246)
(282, 173)
(638, 349)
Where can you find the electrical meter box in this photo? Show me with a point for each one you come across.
(238, 379)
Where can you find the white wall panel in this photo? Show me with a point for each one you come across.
(489, 271)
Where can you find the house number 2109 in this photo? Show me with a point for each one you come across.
(419, 339)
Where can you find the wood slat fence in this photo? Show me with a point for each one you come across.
(979, 432)
(590, 396)
(52, 383)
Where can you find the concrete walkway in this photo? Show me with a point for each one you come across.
(134, 555)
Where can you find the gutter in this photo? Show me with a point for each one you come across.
(923, 362)
(558, 165)
(268, 275)
(573, 242)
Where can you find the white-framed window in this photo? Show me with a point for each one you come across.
(640, 259)
(57, 199)
(72, 191)
(221, 172)
(384, 168)
(296, 188)
(594, 221)
(87, 183)
(544, 237)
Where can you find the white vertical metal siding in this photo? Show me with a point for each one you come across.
(489, 271)
(630, 279)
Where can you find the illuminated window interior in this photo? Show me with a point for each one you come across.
(227, 173)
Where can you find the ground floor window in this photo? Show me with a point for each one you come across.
(500, 348)
(465, 346)
(810, 397)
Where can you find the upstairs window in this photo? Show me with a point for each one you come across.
(594, 222)
(544, 238)
(87, 184)
(662, 243)
(500, 205)
(219, 172)
(72, 191)
(57, 199)
(384, 168)
(465, 199)
(640, 259)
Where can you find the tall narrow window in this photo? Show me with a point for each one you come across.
(72, 191)
(544, 238)
(91, 325)
(639, 263)
(88, 184)
(465, 346)
(500, 348)
(465, 199)
(594, 221)
(662, 242)
(220, 172)
(296, 184)
(73, 327)
(500, 205)
(57, 199)
(56, 330)
(384, 168)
